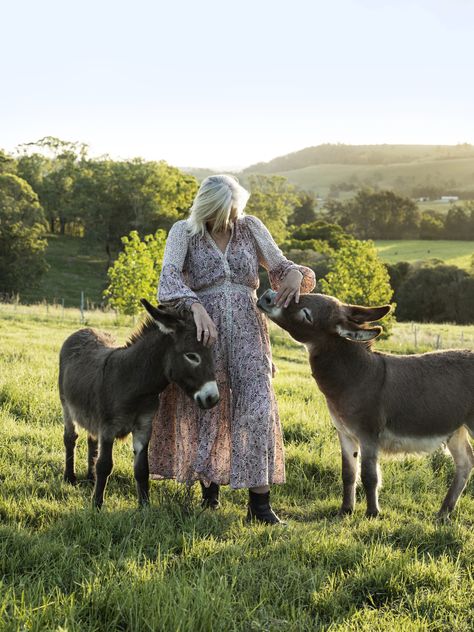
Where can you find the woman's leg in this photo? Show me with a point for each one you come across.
(259, 507)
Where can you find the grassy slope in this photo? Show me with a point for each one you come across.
(458, 253)
(319, 178)
(75, 265)
(172, 568)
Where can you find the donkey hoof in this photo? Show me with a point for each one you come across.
(373, 514)
(345, 511)
(71, 479)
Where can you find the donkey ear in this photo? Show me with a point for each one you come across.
(359, 314)
(358, 334)
(167, 323)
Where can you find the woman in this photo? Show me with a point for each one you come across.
(210, 266)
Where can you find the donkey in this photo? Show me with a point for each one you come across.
(378, 401)
(111, 390)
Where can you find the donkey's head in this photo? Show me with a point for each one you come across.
(187, 362)
(317, 316)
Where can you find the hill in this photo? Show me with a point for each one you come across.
(402, 168)
(75, 265)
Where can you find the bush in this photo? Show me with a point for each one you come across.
(135, 272)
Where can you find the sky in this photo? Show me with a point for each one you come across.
(221, 84)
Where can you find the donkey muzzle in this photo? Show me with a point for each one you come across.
(207, 396)
(267, 301)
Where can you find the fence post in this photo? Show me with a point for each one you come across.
(82, 307)
(415, 331)
(438, 341)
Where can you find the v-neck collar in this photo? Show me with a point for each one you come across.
(223, 253)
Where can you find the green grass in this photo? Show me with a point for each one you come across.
(76, 265)
(457, 253)
(171, 567)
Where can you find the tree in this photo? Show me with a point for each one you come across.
(376, 215)
(135, 272)
(459, 223)
(22, 232)
(357, 276)
(114, 198)
(305, 209)
(53, 177)
(273, 200)
(436, 293)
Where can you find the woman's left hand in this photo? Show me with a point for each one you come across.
(289, 289)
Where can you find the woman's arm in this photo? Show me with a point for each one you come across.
(277, 265)
(172, 288)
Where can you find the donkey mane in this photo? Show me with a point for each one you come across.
(144, 328)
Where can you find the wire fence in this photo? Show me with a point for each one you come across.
(405, 336)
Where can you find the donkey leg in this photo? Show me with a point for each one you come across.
(92, 451)
(70, 438)
(463, 457)
(103, 467)
(370, 476)
(141, 439)
(350, 466)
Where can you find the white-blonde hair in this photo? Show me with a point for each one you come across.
(218, 198)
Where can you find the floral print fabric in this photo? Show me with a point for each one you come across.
(239, 441)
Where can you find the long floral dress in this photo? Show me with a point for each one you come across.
(239, 441)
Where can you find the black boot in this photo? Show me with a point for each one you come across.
(210, 496)
(259, 509)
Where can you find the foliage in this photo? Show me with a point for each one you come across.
(135, 272)
(305, 209)
(357, 276)
(273, 200)
(22, 235)
(459, 222)
(433, 292)
(376, 215)
(116, 197)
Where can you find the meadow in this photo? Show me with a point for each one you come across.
(68, 568)
(456, 253)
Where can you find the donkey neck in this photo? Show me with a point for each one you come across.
(339, 365)
(142, 364)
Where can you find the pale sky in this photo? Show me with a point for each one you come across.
(223, 84)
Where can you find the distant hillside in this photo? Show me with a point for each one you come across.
(361, 155)
(75, 265)
(407, 169)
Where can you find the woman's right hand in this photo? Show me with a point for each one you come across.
(204, 325)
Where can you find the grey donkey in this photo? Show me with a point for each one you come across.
(378, 401)
(112, 391)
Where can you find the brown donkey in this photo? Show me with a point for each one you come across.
(382, 402)
(112, 391)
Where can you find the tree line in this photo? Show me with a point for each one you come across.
(386, 215)
(53, 186)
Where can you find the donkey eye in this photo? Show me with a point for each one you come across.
(307, 315)
(193, 358)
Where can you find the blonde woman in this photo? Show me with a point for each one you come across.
(210, 266)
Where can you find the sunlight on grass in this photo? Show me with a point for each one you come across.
(171, 567)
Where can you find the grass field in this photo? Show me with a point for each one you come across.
(457, 253)
(76, 265)
(171, 567)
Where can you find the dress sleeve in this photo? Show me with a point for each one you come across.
(273, 259)
(172, 288)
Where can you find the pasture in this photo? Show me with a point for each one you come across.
(171, 567)
(455, 253)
